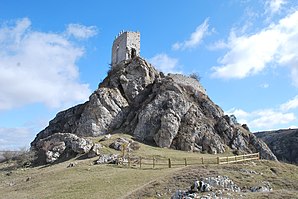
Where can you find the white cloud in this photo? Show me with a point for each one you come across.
(15, 138)
(291, 104)
(293, 127)
(165, 63)
(269, 118)
(218, 45)
(251, 54)
(274, 6)
(265, 85)
(80, 31)
(38, 67)
(195, 38)
(262, 119)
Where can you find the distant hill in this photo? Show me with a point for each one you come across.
(1, 156)
(283, 143)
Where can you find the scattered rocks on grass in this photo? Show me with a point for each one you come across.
(106, 137)
(107, 159)
(127, 144)
(72, 164)
(265, 186)
(217, 187)
(246, 171)
(117, 144)
(9, 173)
(94, 151)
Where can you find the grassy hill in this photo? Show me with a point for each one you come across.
(86, 180)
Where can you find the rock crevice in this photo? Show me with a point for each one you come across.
(167, 111)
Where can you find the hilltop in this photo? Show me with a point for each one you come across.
(162, 110)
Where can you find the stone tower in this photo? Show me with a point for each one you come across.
(125, 46)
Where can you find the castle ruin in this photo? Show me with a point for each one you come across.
(125, 46)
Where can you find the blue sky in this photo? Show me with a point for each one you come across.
(53, 55)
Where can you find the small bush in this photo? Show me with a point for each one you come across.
(9, 155)
(245, 127)
(26, 157)
(22, 158)
(195, 76)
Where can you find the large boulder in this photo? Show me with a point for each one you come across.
(58, 144)
(171, 111)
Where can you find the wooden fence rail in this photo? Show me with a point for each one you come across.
(155, 162)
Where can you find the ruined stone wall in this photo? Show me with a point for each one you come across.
(187, 81)
(125, 46)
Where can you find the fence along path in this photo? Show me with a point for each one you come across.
(139, 162)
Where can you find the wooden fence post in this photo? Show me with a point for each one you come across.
(170, 164)
(218, 160)
(258, 155)
(202, 160)
(128, 159)
(185, 162)
(140, 162)
(153, 162)
(227, 159)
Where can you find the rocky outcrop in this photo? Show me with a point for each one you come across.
(168, 111)
(283, 143)
(59, 144)
(107, 159)
(218, 187)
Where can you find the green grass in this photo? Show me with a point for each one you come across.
(284, 183)
(86, 180)
(82, 181)
(147, 151)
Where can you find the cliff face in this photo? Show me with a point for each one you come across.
(283, 143)
(169, 111)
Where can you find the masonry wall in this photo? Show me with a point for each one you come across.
(123, 47)
(187, 81)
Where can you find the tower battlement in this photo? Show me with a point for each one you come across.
(125, 46)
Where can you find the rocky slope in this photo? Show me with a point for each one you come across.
(283, 143)
(168, 111)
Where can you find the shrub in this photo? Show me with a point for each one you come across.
(22, 158)
(9, 155)
(245, 127)
(26, 157)
(195, 76)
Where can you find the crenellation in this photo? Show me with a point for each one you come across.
(125, 46)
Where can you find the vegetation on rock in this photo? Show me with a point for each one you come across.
(171, 111)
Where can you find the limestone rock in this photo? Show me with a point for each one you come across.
(107, 159)
(72, 164)
(283, 143)
(105, 137)
(94, 151)
(171, 111)
(128, 145)
(119, 143)
(62, 143)
(263, 187)
(215, 186)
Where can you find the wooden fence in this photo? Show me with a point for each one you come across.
(139, 162)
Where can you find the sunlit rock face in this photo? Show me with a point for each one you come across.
(166, 110)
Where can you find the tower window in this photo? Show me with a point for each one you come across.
(133, 53)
